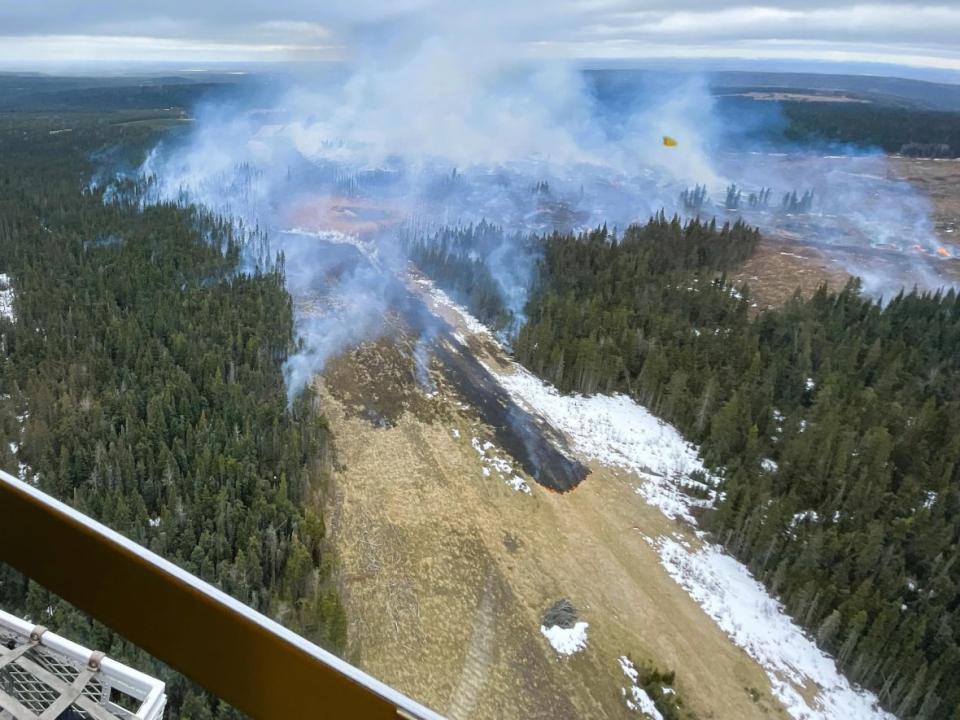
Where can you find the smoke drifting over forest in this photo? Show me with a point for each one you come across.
(428, 133)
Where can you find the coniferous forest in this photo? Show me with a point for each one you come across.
(834, 423)
(460, 259)
(141, 382)
(905, 131)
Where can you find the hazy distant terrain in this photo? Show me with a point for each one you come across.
(918, 94)
(36, 92)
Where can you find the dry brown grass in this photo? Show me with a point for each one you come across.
(784, 263)
(781, 266)
(348, 215)
(446, 573)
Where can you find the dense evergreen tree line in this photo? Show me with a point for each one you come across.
(834, 423)
(920, 133)
(463, 261)
(142, 384)
(36, 92)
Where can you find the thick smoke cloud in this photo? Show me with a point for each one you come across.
(426, 132)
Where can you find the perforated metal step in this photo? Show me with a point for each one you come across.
(46, 677)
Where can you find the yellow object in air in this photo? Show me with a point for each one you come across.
(669, 141)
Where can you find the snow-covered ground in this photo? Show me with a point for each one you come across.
(615, 430)
(441, 299)
(636, 697)
(566, 641)
(756, 622)
(495, 461)
(6, 298)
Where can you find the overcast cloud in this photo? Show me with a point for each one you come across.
(914, 33)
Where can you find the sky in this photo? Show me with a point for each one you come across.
(910, 33)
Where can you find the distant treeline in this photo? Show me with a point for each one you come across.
(141, 383)
(897, 130)
(43, 93)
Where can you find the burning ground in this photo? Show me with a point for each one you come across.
(939, 180)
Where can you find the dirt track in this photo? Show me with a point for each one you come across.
(445, 574)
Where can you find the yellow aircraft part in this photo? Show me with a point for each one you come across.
(669, 141)
(232, 651)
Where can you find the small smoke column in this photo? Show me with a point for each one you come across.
(421, 359)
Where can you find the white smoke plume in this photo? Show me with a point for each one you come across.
(437, 120)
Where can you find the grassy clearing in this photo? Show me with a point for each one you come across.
(445, 575)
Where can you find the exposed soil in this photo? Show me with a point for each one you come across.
(446, 572)
(350, 215)
(782, 265)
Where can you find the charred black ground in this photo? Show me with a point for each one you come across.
(527, 438)
(537, 447)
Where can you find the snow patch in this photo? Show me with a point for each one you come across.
(628, 668)
(518, 484)
(566, 641)
(636, 697)
(617, 431)
(740, 605)
(25, 474)
(494, 461)
(442, 299)
(6, 298)
(804, 516)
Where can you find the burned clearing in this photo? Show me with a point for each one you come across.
(416, 350)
